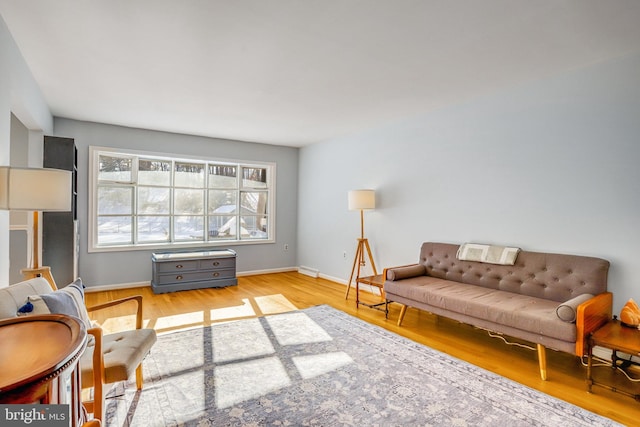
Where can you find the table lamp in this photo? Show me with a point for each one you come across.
(32, 189)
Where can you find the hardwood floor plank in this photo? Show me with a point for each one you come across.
(274, 293)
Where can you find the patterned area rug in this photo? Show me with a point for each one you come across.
(323, 367)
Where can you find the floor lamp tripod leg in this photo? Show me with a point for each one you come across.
(373, 264)
(356, 262)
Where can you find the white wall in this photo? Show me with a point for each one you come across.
(19, 253)
(19, 94)
(551, 166)
(126, 267)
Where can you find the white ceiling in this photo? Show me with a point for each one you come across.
(296, 72)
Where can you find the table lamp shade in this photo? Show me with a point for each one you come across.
(362, 200)
(30, 189)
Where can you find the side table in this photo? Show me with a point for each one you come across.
(39, 358)
(613, 336)
(378, 282)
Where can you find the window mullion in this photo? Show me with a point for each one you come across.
(241, 189)
(205, 210)
(172, 229)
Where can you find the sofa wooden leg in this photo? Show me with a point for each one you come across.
(542, 361)
(403, 310)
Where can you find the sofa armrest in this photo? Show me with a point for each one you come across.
(137, 298)
(567, 311)
(590, 316)
(404, 272)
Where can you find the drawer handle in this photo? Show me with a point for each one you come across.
(216, 263)
(216, 274)
(179, 266)
(178, 277)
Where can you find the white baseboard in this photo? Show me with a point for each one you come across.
(268, 271)
(308, 271)
(99, 288)
(333, 279)
(602, 353)
(366, 288)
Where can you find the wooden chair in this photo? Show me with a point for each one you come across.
(113, 357)
(108, 358)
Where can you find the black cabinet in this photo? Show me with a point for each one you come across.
(60, 245)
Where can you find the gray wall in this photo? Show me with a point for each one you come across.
(19, 143)
(20, 95)
(550, 166)
(19, 254)
(113, 268)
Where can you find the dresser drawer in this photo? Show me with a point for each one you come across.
(217, 263)
(177, 266)
(195, 276)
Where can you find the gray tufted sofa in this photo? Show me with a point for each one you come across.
(552, 300)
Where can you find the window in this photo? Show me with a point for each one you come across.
(143, 200)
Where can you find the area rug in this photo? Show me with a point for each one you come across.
(323, 367)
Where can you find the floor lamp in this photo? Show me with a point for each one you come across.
(30, 189)
(361, 200)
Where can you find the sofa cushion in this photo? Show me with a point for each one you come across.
(536, 315)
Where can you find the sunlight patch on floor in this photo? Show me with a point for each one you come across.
(250, 365)
(318, 364)
(183, 319)
(248, 307)
(238, 382)
(234, 312)
(274, 304)
(240, 340)
(296, 328)
(119, 323)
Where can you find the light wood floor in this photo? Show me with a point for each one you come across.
(274, 293)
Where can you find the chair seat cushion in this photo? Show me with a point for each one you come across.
(123, 352)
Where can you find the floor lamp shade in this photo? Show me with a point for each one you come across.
(362, 200)
(30, 189)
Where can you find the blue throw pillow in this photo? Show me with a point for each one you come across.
(68, 300)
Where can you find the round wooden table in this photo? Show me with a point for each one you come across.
(39, 361)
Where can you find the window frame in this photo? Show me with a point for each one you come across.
(93, 218)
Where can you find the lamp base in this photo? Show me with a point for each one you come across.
(44, 271)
